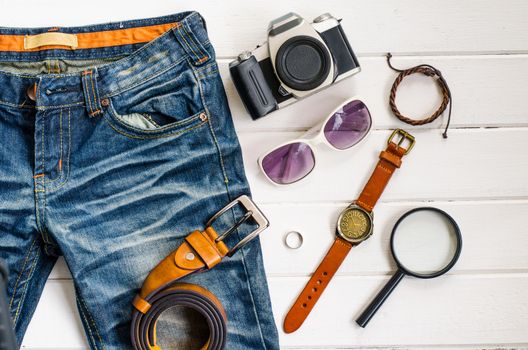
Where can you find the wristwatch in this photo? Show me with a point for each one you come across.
(354, 225)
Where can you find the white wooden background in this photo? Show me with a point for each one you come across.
(479, 174)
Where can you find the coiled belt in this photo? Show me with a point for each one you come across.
(200, 251)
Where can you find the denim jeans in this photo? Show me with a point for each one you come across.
(110, 156)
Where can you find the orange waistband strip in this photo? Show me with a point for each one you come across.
(94, 40)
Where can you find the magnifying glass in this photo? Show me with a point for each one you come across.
(425, 243)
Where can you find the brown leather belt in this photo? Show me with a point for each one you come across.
(200, 251)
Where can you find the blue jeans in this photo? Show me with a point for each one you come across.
(110, 156)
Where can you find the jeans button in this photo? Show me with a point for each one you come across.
(32, 92)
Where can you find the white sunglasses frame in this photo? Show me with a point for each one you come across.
(318, 138)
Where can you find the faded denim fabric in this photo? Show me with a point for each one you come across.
(125, 151)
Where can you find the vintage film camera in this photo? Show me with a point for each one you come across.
(299, 59)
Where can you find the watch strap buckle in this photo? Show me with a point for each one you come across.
(403, 136)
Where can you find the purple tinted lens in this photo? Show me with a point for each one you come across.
(289, 163)
(349, 125)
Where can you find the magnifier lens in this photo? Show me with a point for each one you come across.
(425, 242)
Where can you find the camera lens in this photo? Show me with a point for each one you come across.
(303, 63)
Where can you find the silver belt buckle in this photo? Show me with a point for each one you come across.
(252, 211)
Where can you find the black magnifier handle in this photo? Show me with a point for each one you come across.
(375, 304)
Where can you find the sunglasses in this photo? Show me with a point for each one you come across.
(344, 128)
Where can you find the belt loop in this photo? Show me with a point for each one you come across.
(190, 43)
(91, 92)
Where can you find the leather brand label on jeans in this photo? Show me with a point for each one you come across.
(50, 39)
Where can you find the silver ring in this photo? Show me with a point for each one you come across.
(293, 240)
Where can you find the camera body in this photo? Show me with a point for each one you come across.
(299, 59)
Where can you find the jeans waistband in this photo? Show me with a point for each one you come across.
(143, 49)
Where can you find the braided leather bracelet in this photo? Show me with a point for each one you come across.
(429, 71)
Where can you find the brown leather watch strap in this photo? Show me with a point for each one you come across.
(316, 285)
(390, 160)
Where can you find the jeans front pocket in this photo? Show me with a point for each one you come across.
(165, 105)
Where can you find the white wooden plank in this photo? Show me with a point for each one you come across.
(56, 323)
(460, 309)
(479, 222)
(429, 346)
(373, 27)
(474, 82)
(470, 164)
(447, 310)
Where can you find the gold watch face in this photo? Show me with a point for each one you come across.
(355, 225)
